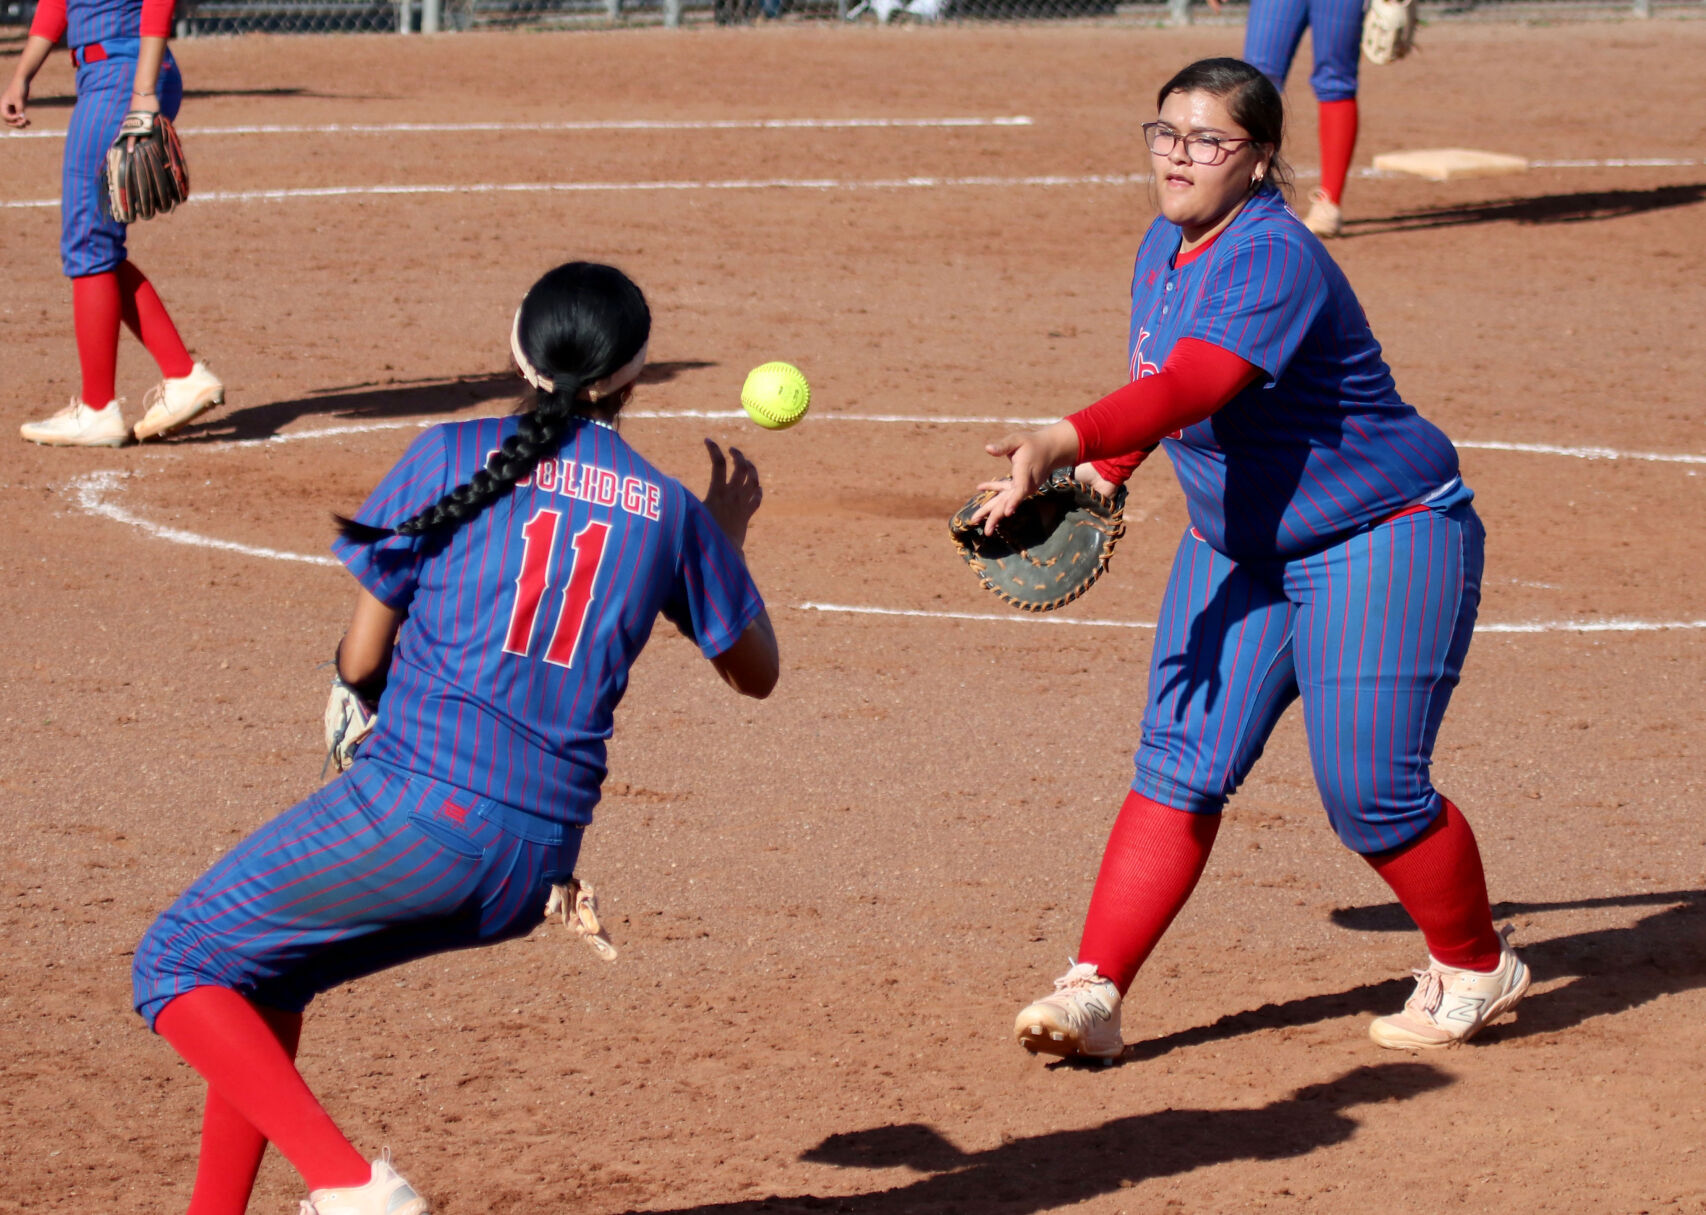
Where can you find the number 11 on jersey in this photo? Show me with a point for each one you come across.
(540, 545)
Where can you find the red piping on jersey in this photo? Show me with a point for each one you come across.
(1197, 379)
(1183, 259)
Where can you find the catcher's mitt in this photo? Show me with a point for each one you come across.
(146, 174)
(1051, 549)
(575, 902)
(349, 720)
(1388, 30)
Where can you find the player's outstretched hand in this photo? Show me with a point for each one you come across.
(15, 104)
(1034, 454)
(734, 497)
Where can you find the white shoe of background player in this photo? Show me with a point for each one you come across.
(172, 402)
(77, 425)
(385, 1194)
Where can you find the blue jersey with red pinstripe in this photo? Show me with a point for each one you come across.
(522, 623)
(1324, 445)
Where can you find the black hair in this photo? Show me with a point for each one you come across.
(579, 323)
(1251, 98)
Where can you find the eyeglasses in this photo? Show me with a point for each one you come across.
(1201, 149)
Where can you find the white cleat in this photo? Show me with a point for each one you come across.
(1324, 218)
(77, 425)
(1449, 1006)
(1081, 1020)
(173, 402)
(385, 1194)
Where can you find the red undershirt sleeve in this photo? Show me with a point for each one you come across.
(156, 18)
(49, 21)
(1118, 431)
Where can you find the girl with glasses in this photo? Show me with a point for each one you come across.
(1332, 557)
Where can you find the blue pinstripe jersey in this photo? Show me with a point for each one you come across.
(522, 624)
(101, 20)
(1325, 445)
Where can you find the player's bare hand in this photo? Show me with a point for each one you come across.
(1086, 474)
(735, 494)
(1033, 454)
(15, 104)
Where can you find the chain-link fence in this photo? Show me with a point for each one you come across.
(407, 16)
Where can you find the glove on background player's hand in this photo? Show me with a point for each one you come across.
(349, 719)
(146, 174)
(1388, 30)
(1050, 550)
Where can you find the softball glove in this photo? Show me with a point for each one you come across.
(146, 174)
(1051, 549)
(350, 718)
(1388, 30)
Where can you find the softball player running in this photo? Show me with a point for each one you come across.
(510, 572)
(1332, 557)
(119, 50)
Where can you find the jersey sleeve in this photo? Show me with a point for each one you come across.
(1259, 300)
(714, 597)
(388, 568)
(49, 21)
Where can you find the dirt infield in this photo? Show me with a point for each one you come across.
(830, 904)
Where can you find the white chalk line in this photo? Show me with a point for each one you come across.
(1017, 617)
(92, 493)
(588, 125)
(1540, 449)
(1038, 181)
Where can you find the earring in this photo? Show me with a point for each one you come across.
(592, 395)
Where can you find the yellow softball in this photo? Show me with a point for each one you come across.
(775, 395)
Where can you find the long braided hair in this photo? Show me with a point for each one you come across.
(577, 325)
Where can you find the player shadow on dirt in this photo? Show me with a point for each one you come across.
(64, 101)
(1613, 969)
(1542, 209)
(374, 402)
(1062, 1168)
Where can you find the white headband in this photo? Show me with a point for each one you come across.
(610, 384)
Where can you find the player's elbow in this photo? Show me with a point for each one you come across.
(752, 665)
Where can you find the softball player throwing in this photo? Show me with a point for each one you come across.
(1333, 557)
(119, 50)
(510, 572)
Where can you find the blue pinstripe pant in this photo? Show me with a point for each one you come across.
(377, 868)
(1370, 634)
(89, 243)
(1275, 27)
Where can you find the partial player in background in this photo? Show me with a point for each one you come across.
(1332, 557)
(1271, 37)
(123, 66)
(510, 571)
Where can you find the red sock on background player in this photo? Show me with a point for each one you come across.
(1338, 122)
(99, 302)
(1154, 858)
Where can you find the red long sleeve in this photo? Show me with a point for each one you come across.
(1119, 430)
(49, 21)
(156, 18)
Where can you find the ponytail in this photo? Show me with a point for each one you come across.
(579, 327)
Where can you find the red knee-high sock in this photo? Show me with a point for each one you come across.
(224, 1037)
(148, 319)
(231, 1148)
(1338, 120)
(1438, 878)
(1155, 855)
(95, 314)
